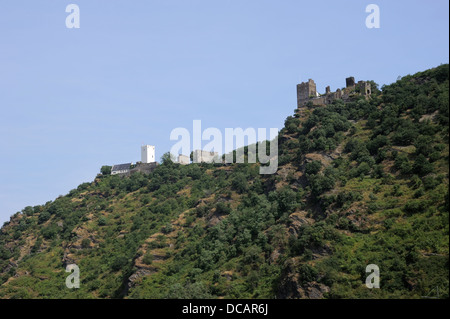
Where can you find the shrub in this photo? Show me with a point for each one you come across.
(43, 217)
(29, 211)
(239, 183)
(50, 232)
(167, 228)
(119, 262)
(429, 182)
(86, 243)
(287, 200)
(147, 259)
(222, 208)
(415, 206)
(422, 166)
(102, 221)
(313, 167)
(307, 273)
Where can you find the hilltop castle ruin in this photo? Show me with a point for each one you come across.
(306, 92)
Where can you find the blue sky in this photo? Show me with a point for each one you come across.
(73, 100)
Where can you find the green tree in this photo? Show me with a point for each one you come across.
(422, 166)
(106, 170)
(167, 159)
(86, 243)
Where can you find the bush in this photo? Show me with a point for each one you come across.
(239, 183)
(419, 193)
(415, 206)
(119, 262)
(347, 198)
(377, 143)
(307, 273)
(321, 183)
(422, 166)
(86, 243)
(167, 228)
(102, 221)
(287, 200)
(363, 169)
(429, 182)
(29, 211)
(43, 217)
(313, 167)
(401, 163)
(223, 209)
(147, 259)
(50, 232)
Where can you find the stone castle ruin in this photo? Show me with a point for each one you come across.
(307, 92)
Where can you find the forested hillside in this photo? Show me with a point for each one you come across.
(358, 183)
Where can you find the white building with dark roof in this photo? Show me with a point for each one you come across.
(121, 169)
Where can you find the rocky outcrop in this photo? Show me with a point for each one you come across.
(142, 272)
(297, 220)
(291, 287)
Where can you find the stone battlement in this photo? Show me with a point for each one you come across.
(306, 92)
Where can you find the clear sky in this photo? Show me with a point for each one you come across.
(73, 100)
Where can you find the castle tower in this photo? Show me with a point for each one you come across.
(364, 88)
(304, 91)
(350, 82)
(147, 154)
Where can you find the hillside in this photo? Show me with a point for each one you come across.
(362, 182)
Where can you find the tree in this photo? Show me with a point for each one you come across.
(28, 211)
(239, 183)
(313, 167)
(422, 166)
(119, 262)
(374, 87)
(307, 273)
(43, 217)
(106, 170)
(287, 200)
(167, 159)
(102, 221)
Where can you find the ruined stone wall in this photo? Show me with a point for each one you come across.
(143, 168)
(306, 90)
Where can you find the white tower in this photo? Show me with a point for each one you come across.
(147, 154)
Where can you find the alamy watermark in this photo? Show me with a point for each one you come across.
(73, 280)
(256, 149)
(73, 19)
(373, 19)
(373, 280)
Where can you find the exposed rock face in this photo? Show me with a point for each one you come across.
(142, 272)
(67, 258)
(298, 219)
(216, 218)
(357, 220)
(277, 252)
(325, 159)
(291, 288)
(319, 252)
(9, 266)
